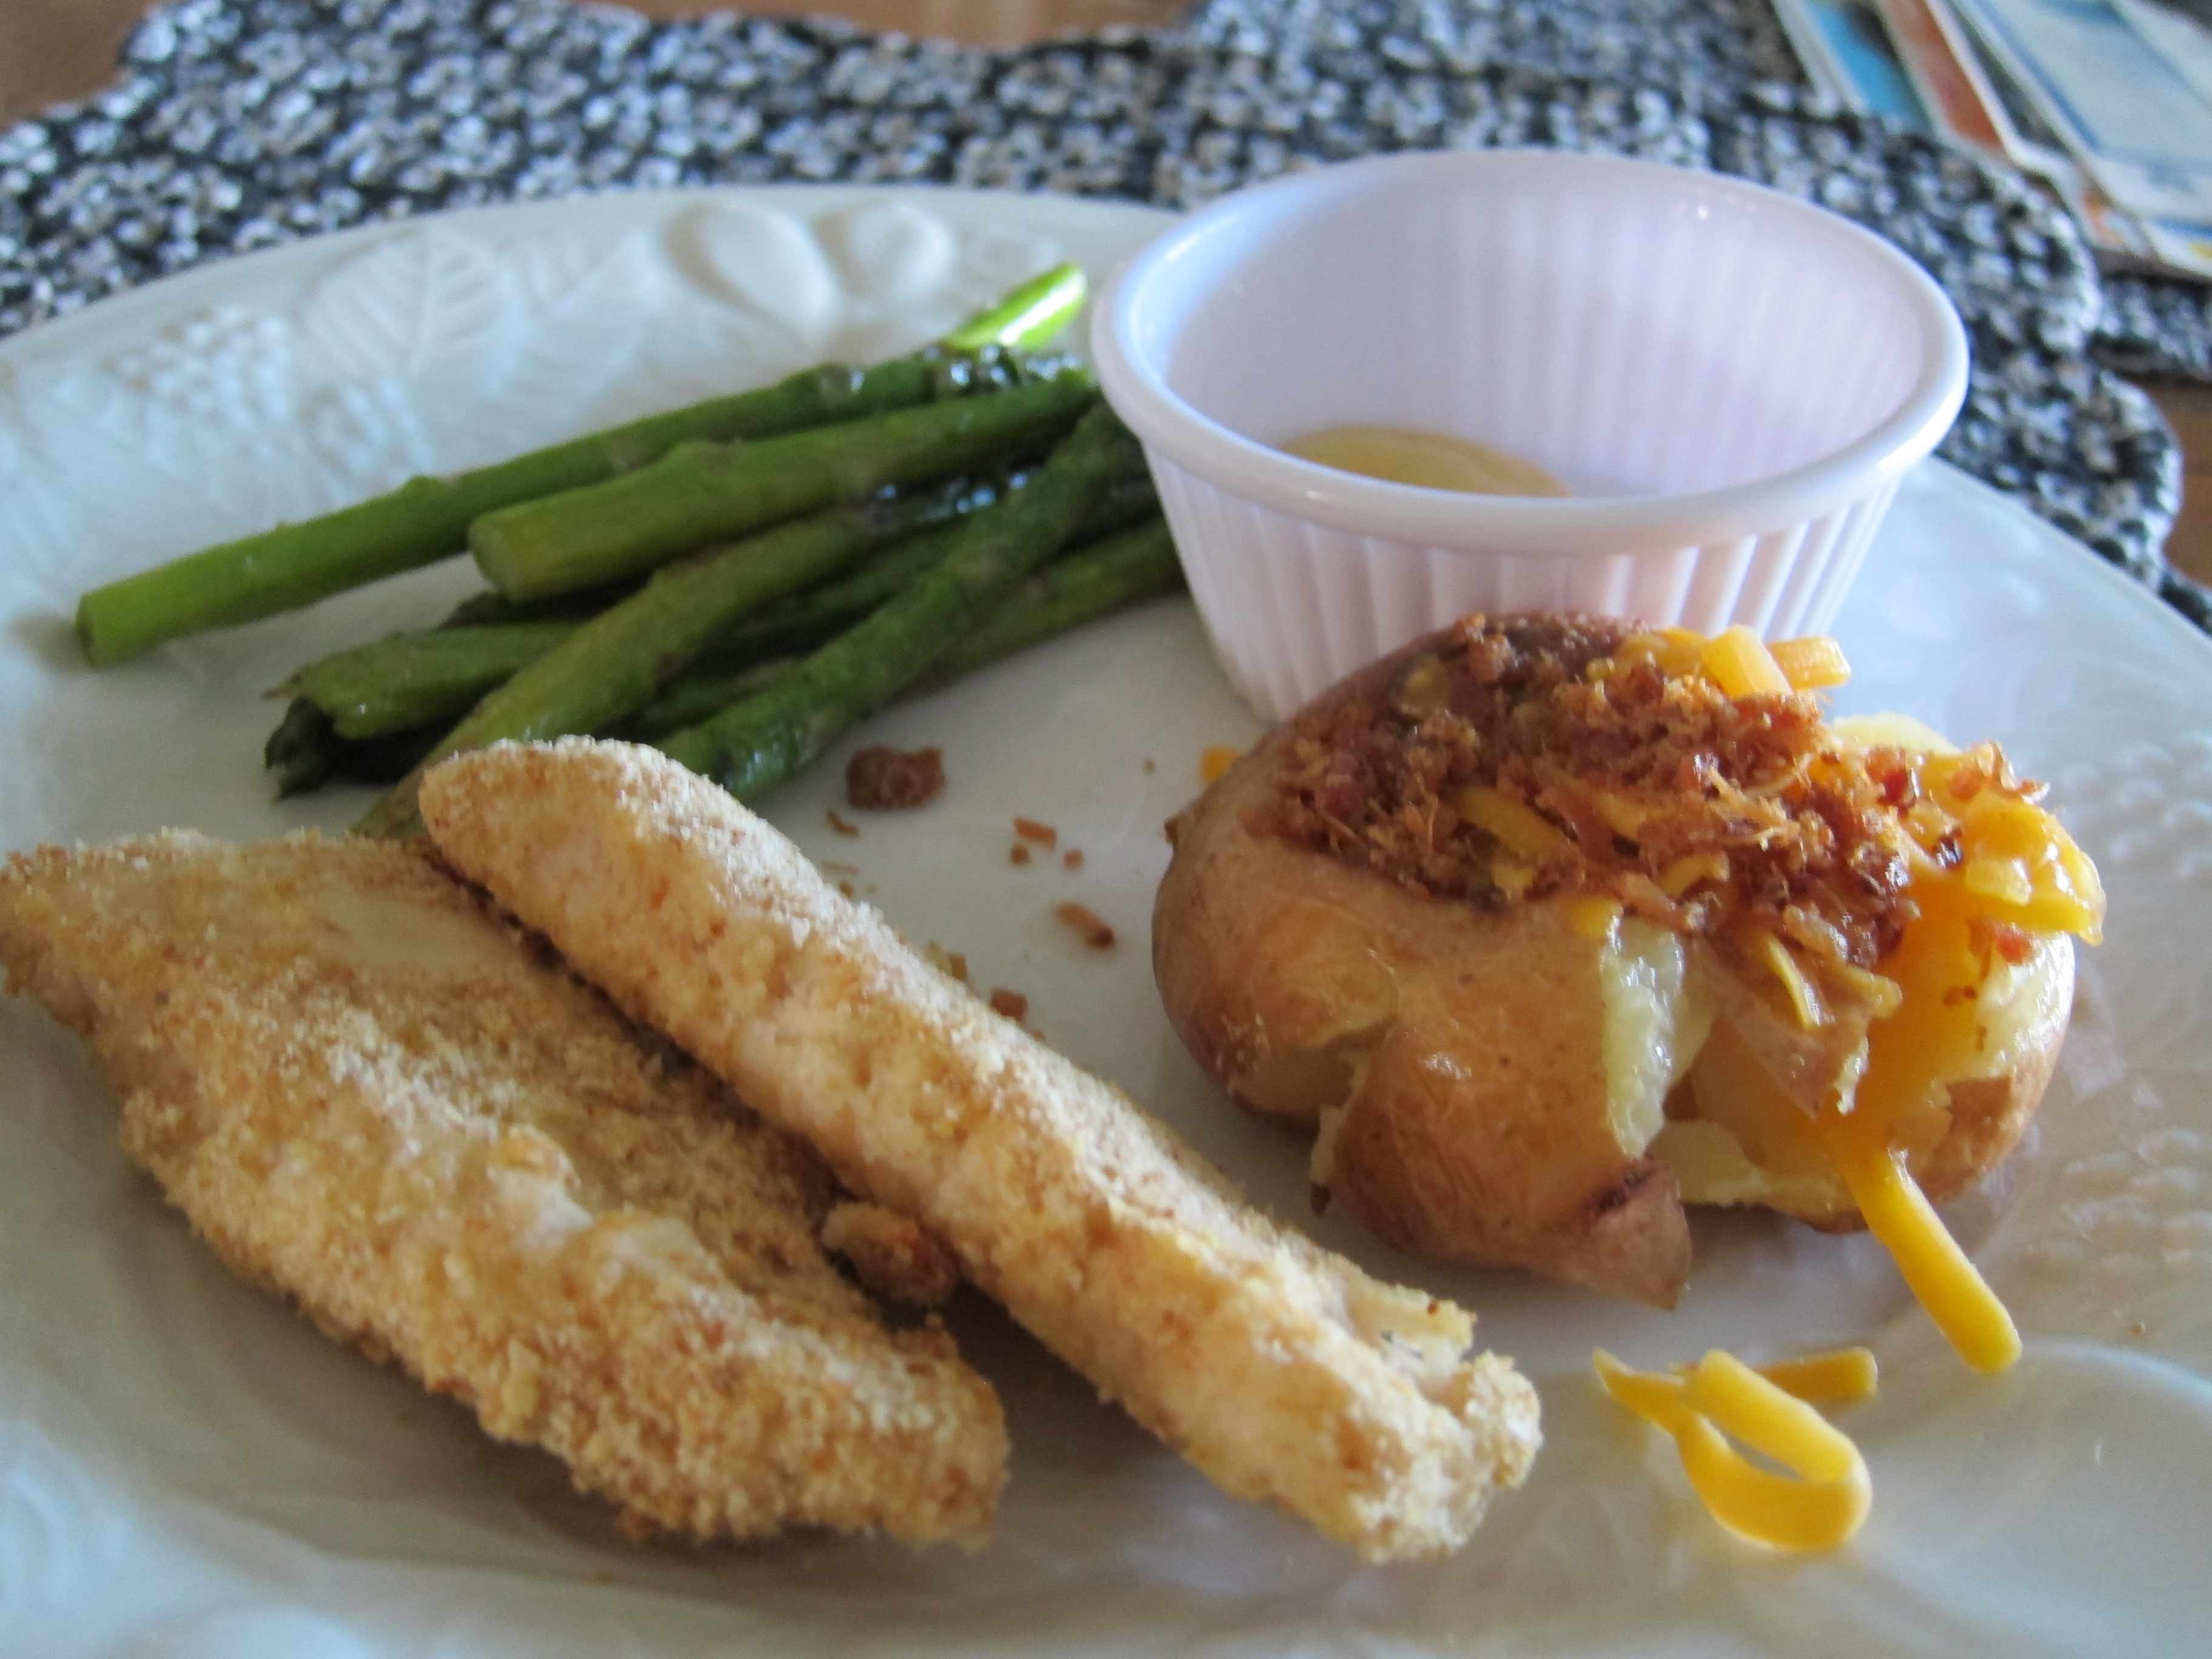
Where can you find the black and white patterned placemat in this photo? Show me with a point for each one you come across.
(240, 123)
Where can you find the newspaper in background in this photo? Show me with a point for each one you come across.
(1963, 104)
(2185, 43)
(2078, 127)
(1847, 55)
(1975, 103)
(2133, 124)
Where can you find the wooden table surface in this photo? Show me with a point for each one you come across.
(52, 49)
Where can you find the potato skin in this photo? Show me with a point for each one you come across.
(1478, 1130)
(1465, 1048)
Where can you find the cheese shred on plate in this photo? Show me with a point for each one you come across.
(1822, 1499)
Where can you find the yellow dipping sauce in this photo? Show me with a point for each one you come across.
(1429, 459)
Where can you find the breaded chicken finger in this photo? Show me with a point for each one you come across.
(1281, 1371)
(368, 1090)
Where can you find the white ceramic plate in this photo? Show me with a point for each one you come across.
(188, 1471)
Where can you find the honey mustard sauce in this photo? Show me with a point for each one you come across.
(1433, 461)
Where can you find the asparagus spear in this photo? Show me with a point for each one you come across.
(612, 664)
(427, 518)
(804, 621)
(1075, 588)
(702, 492)
(417, 678)
(306, 752)
(428, 677)
(489, 608)
(761, 742)
(1088, 583)
(433, 677)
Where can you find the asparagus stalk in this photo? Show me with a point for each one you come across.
(698, 494)
(420, 677)
(1072, 590)
(732, 667)
(306, 752)
(1075, 588)
(767, 739)
(427, 518)
(611, 665)
(489, 608)
(433, 677)
(804, 621)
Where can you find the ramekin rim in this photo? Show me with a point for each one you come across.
(1202, 446)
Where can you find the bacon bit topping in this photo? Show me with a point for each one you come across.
(1985, 767)
(1988, 937)
(1084, 920)
(1013, 1004)
(886, 780)
(1534, 756)
(1073, 857)
(1043, 833)
(1019, 854)
(841, 825)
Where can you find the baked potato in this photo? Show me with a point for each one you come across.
(1546, 926)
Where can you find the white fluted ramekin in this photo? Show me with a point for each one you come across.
(1731, 380)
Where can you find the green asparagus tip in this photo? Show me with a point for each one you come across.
(1030, 317)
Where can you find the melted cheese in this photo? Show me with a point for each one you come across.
(1986, 861)
(1944, 965)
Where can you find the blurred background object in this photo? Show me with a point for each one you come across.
(52, 49)
(55, 50)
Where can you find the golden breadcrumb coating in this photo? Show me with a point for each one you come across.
(1280, 1370)
(365, 1089)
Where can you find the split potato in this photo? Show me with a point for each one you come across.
(1503, 1062)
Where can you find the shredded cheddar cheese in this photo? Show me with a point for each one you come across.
(1943, 1278)
(2013, 867)
(1991, 870)
(1738, 660)
(1593, 917)
(1840, 1375)
(1216, 761)
(1519, 827)
(1988, 859)
(1813, 663)
(1821, 1504)
(1685, 872)
(1804, 999)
